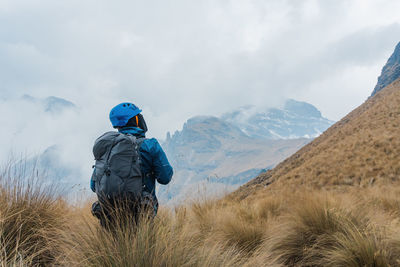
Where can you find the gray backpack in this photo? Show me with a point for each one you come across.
(117, 170)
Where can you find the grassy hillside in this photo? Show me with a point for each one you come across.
(362, 149)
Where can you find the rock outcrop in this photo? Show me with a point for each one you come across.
(390, 72)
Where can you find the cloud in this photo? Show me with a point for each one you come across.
(177, 59)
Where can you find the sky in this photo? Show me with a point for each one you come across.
(177, 59)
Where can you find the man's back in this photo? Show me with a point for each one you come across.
(154, 165)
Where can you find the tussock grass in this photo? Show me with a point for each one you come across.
(310, 230)
(358, 248)
(335, 229)
(31, 215)
(152, 243)
(307, 227)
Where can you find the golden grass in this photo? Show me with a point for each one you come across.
(306, 227)
(31, 215)
(154, 243)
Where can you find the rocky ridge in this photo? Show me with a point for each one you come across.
(390, 72)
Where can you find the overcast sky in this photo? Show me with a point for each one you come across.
(177, 59)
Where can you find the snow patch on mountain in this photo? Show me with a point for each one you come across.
(295, 120)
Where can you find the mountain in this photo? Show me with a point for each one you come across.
(295, 120)
(390, 72)
(54, 104)
(363, 149)
(217, 154)
(51, 162)
(50, 104)
(213, 155)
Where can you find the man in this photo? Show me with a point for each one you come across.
(121, 178)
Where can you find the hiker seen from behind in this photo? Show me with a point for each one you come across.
(127, 167)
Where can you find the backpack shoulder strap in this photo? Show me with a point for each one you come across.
(140, 141)
(114, 142)
(110, 149)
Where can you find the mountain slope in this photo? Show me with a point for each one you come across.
(390, 72)
(360, 150)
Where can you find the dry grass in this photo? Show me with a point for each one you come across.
(161, 242)
(283, 228)
(31, 216)
(324, 232)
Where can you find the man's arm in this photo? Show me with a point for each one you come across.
(92, 183)
(162, 169)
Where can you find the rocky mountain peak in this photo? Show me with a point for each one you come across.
(295, 120)
(56, 104)
(390, 72)
(302, 109)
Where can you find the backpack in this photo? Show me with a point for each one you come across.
(118, 166)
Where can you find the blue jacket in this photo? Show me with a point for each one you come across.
(155, 165)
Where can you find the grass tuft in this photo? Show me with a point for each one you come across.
(31, 214)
